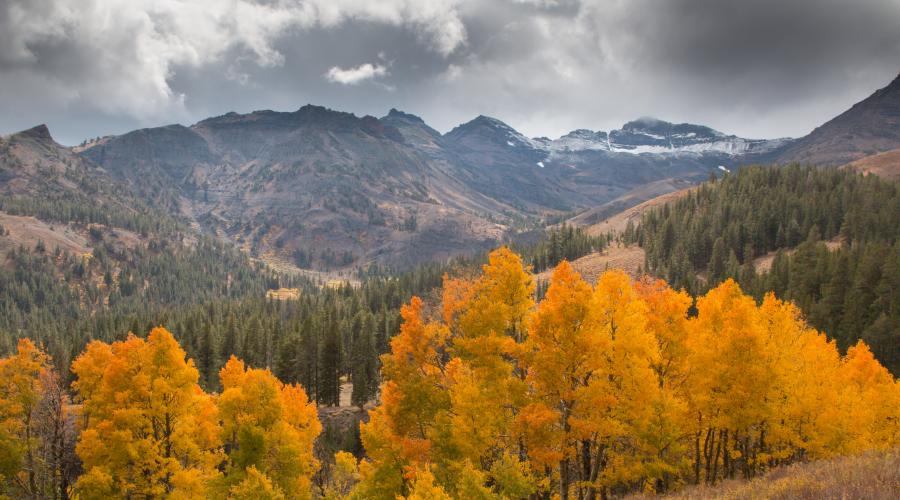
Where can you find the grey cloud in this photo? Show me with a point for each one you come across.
(761, 69)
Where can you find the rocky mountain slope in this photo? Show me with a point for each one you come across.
(323, 189)
(42, 178)
(316, 187)
(73, 238)
(871, 126)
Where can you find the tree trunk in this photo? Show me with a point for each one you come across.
(726, 458)
(697, 448)
(697, 458)
(585, 473)
(715, 470)
(32, 478)
(595, 471)
(708, 451)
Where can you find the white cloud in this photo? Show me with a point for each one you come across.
(452, 73)
(354, 76)
(119, 56)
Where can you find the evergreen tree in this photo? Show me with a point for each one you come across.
(329, 389)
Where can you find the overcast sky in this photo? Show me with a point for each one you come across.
(761, 68)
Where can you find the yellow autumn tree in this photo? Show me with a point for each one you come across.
(620, 411)
(269, 430)
(667, 321)
(149, 430)
(398, 436)
(871, 399)
(254, 485)
(732, 380)
(487, 384)
(804, 368)
(37, 431)
(562, 357)
(342, 478)
(19, 393)
(424, 488)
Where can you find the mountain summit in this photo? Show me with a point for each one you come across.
(871, 126)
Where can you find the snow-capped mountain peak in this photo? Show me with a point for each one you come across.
(643, 136)
(651, 135)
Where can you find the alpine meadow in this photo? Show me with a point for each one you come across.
(236, 269)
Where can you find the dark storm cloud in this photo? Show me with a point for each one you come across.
(775, 49)
(761, 69)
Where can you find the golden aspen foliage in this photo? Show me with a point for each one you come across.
(494, 317)
(872, 399)
(629, 393)
(255, 486)
(731, 378)
(413, 372)
(384, 471)
(398, 435)
(487, 385)
(149, 430)
(19, 393)
(668, 322)
(269, 430)
(804, 371)
(36, 426)
(563, 358)
(423, 488)
(456, 293)
(611, 389)
(344, 475)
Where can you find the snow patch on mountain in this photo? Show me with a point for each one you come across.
(644, 136)
(652, 136)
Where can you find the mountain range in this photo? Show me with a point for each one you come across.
(324, 189)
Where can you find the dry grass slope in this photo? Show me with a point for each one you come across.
(591, 266)
(283, 294)
(885, 165)
(874, 476)
(618, 222)
(764, 263)
(27, 231)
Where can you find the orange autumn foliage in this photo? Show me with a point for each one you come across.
(269, 429)
(149, 430)
(594, 391)
(610, 389)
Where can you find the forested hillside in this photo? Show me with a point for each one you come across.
(137, 269)
(486, 392)
(213, 299)
(717, 231)
(80, 254)
(558, 244)
(64, 300)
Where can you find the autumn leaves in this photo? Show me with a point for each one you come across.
(594, 391)
(609, 389)
(149, 431)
